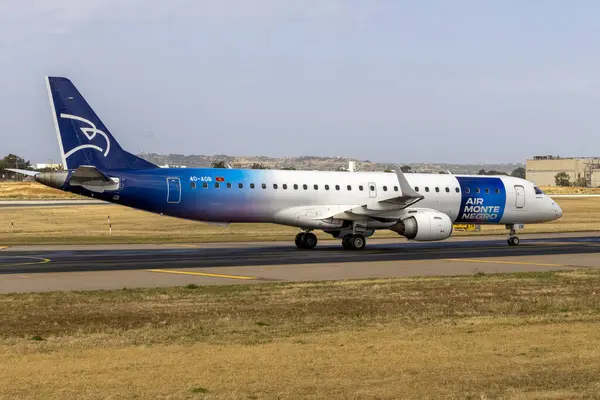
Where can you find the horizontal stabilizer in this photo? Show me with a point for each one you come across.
(23, 171)
(88, 172)
(92, 179)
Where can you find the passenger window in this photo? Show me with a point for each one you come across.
(295, 186)
(457, 190)
(252, 186)
(349, 187)
(304, 187)
(487, 191)
(193, 185)
(427, 188)
(372, 188)
(447, 190)
(395, 188)
(477, 190)
(217, 185)
(264, 185)
(241, 185)
(437, 189)
(274, 186)
(284, 186)
(385, 188)
(316, 187)
(416, 188)
(467, 190)
(337, 187)
(497, 191)
(204, 185)
(326, 187)
(361, 188)
(228, 185)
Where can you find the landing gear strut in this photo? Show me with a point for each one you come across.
(513, 239)
(306, 240)
(354, 242)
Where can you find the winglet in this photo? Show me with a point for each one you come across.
(23, 171)
(405, 188)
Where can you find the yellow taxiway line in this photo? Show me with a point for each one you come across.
(40, 260)
(4, 247)
(170, 271)
(473, 260)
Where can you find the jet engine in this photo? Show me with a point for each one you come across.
(424, 226)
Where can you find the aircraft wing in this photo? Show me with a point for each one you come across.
(407, 197)
(359, 212)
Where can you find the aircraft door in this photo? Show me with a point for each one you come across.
(173, 190)
(519, 196)
(372, 189)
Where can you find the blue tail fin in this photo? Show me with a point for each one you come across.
(82, 137)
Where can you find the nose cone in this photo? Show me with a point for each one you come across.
(556, 211)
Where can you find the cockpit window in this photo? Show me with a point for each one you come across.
(538, 190)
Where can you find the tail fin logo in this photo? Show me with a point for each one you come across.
(90, 133)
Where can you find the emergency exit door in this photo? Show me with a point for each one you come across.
(519, 196)
(372, 189)
(173, 190)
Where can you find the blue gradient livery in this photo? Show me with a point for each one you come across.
(347, 205)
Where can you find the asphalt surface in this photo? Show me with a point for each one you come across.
(49, 268)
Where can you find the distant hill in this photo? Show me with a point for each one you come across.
(317, 163)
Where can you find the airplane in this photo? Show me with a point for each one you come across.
(349, 206)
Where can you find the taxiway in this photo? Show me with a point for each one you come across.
(94, 267)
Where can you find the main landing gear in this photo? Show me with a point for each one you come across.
(354, 242)
(306, 240)
(513, 239)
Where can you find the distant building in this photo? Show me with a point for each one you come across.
(542, 169)
(172, 166)
(47, 165)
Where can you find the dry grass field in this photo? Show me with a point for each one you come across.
(89, 224)
(570, 190)
(521, 336)
(32, 191)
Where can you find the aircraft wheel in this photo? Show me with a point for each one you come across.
(310, 240)
(346, 242)
(300, 240)
(354, 242)
(513, 241)
(358, 242)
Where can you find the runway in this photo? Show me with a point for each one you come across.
(60, 268)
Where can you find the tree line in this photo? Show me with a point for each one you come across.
(563, 179)
(12, 161)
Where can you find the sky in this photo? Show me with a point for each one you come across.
(463, 81)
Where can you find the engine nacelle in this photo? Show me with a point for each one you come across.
(425, 226)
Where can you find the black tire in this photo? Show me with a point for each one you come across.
(358, 242)
(513, 241)
(346, 242)
(310, 240)
(300, 240)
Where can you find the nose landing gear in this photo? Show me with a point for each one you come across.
(513, 239)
